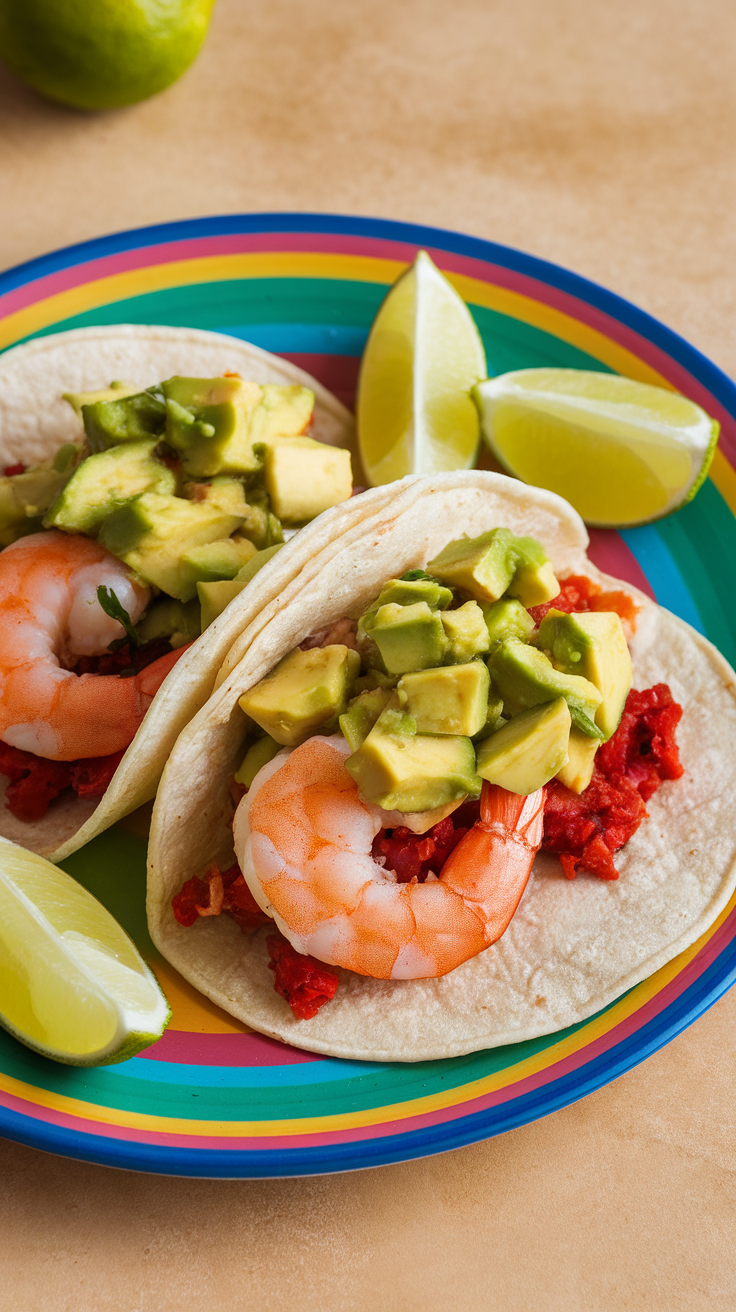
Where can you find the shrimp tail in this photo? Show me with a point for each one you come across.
(491, 865)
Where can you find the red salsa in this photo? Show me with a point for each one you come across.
(586, 829)
(579, 593)
(304, 983)
(35, 782)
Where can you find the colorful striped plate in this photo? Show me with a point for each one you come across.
(210, 1098)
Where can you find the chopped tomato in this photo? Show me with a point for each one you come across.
(91, 777)
(586, 829)
(413, 856)
(578, 593)
(218, 891)
(304, 983)
(35, 782)
(11, 470)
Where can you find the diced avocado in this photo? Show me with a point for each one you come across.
(214, 422)
(594, 646)
(261, 525)
(412, 772)
(482, 566)
(407, 637)
(507, 619)
(207, 423)
(525, 677)
(131, 418)
(528, 751)
(498, 562)
(115, 392)
(214, 597)
(285, 410)
(578, 772)
(466, 632)
(153, 532)
(261, 558)
(257, 755)
(534, 584)
(375, 679)
(218, 560)
(304, 477)
(104, 482)
(494, 717)
(404, 592)
(306, 689)
(25, 497)
(361, 715)
(450, 700)
(167, 618)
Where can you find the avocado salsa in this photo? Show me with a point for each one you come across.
(483, 666)
(192, 483)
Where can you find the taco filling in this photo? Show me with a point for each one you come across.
(123, 547)
(404, 769)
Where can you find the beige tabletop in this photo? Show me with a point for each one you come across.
(597, 135)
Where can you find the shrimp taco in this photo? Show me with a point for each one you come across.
(132, 512)
(456, 787)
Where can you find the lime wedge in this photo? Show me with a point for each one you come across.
(423, 355)
(621, 452)
(72, 984)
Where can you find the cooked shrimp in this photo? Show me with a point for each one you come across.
(49, 613)
(303, 837)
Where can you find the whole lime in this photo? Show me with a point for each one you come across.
(101, 54)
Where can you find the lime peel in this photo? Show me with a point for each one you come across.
(73, 986)
(623, 453)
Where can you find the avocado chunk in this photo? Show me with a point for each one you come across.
(402, 771)
(594, 646)
(24, 497)
(167, 618)
(303, 692)
(257, 755)
(304, 477)
(214, 597)
(218, 560)
(507, 619)
(115, 392)
(214, 422)
(404, 592)
(407, 637)
(497, 562)
(466, 633)
(534, 584)
(129, 418)
(104, 482)
(482, 566)
(528, 751)
(578, 772)
(154, 531)
(361, 715)
(450, 700)
(525, 677)
(494, 717)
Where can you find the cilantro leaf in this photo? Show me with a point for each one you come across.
(112, 607)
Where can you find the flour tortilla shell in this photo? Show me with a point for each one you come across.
(34, 421)
(573, 946)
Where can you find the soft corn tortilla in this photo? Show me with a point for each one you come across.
(34, 422)
(573, 946)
